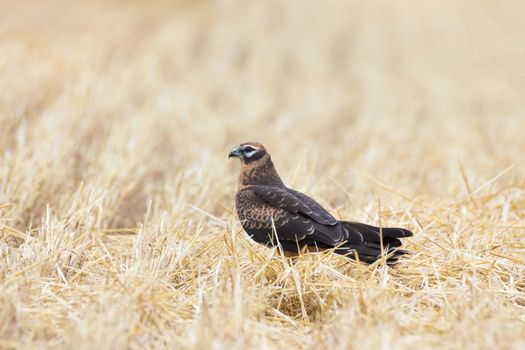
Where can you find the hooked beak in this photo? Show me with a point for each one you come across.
(236, 153)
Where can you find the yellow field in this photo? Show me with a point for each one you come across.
(117, 221)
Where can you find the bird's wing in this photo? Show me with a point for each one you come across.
(314, 206)
(299, 220)
(294, 202)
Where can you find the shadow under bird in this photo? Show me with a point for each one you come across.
(267, 208)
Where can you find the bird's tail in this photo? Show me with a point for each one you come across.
(375, 241)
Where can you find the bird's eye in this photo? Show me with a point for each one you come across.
(248, 151)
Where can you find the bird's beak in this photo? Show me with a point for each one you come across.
(235, 153)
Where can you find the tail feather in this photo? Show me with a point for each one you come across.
(368, 248)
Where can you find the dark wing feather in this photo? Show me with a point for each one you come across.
(316, 207)
(294, 202)
(293, 227)
(302, 218)
(289, 227)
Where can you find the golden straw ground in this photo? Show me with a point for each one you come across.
(117, 226)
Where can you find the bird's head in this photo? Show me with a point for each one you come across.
(248, 152)
(257, 166)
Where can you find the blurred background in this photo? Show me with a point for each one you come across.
(404, 92)
(117, 222)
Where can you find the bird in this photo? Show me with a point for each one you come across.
(275, 215)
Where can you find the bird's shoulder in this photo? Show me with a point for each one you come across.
(256, 213)
(247, 200)
(292, 201)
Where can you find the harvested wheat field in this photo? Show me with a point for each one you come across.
(117, 220)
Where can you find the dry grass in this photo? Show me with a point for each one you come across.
(117, 227)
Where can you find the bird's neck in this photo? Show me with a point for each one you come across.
(261, 172)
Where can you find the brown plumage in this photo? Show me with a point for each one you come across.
(273, 214)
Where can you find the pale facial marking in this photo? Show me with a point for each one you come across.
(248, 150)
(250, 153)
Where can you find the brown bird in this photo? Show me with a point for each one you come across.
(275, 215)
